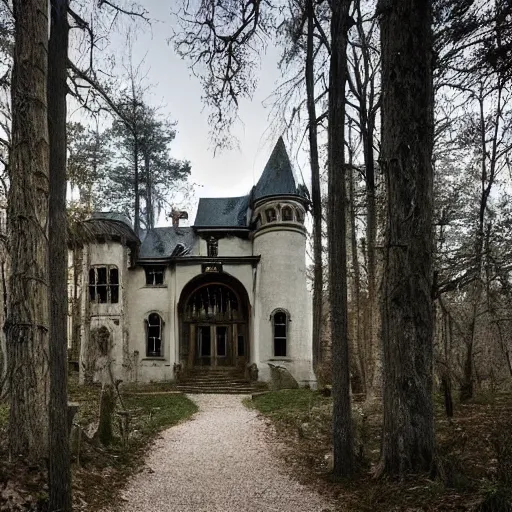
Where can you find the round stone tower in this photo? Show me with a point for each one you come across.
(283, 333)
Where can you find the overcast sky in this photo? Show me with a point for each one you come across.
(229, 173)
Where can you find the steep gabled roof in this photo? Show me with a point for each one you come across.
(278, 178)
(222, 212)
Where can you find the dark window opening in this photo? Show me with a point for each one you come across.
(205, 348)
(280, 327)
(240, 345)
(104, 284)
(271, 215)
(214, 302)
(213, 247)
(154, 275)
(300, 216)
(287, 214)
(222, 341)
(154, 335)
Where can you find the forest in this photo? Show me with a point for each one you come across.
(405, 111)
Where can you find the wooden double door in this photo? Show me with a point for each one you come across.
(215, 345)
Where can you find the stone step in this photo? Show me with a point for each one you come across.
(213, 381)
(217, 390)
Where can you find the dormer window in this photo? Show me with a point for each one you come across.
(155, 275)
(213, 247)
(104, 284)
(271, 215)
(286, 214)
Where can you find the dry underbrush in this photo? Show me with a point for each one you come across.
(474, 452)
(98, 472)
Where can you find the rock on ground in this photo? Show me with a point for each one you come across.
(222, 460)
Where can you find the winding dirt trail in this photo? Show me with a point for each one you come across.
(222, 460)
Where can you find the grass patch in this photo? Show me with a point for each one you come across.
(156, 412)
(289, 405)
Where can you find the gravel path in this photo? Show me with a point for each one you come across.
(221, 460)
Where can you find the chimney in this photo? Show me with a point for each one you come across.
(176, 215)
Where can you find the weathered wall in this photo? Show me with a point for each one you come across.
(111, 316)
(281, 283)
(141, 301)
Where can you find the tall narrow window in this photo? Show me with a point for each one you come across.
(213, 247)
(104, 284)
(286, 214)
(154, 276)
(154, 326)
(300, 215)
(280, 332)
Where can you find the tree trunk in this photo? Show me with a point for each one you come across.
(27, 324)
(59, 455)
(149, 193)
(343, 460)
(136, 221)
(318, 284)
(374, 355)
(407, 311)
(357, 348)
(107, 407)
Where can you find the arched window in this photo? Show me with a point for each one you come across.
(280, 319)
(286, 214)
(271, 215)
(154, 328)
(300, 215)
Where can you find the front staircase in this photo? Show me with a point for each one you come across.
(229, 381)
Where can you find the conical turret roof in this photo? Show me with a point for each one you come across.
(278, 177)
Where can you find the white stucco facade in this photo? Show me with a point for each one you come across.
(229, 292)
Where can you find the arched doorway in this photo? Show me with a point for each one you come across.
(214, 318)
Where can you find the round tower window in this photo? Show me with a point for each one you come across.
(271, 215)
(287, 214)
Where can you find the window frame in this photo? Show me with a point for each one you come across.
(271, 215)
(286, 337)
(212, 247)
(147, 270)
(289, 211)
(154, 354)
(112, 288)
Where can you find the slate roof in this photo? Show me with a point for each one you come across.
(222, 212)
(166, 242)
(119, 217)
(278, 178)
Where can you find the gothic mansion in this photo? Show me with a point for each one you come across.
(228, 292)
